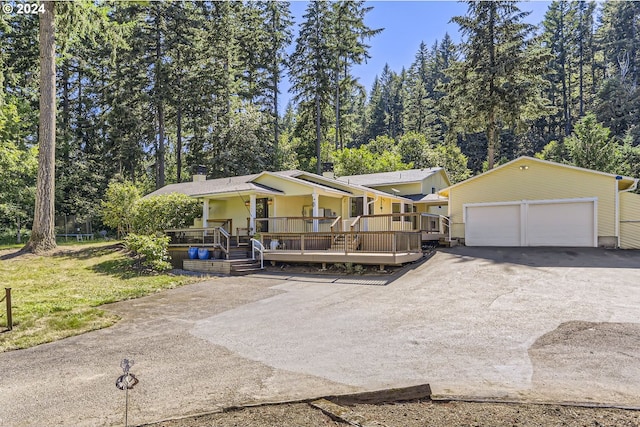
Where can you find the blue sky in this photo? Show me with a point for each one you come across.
(406, 24)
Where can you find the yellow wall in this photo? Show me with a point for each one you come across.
(290, 188)
(438, 181)
(540, 181)
(333, 203)
(629, 221)
(404, 189)
(233, 208)
(291, 205)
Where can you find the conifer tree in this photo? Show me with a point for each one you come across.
(498, 83)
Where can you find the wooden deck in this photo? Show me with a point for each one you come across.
(371, 258)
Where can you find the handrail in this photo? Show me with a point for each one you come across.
(355, 221)
(257, 245)
(228, 239)
(337, 221)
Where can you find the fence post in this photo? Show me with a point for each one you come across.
(9, 318)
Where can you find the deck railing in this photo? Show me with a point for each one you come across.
(294, 224)
(226, 223)
(413, 221)
(344, 242)
(210, 237)
(387, 222)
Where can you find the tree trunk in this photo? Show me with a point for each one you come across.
(318, 136)
(43, 236)
(159, 87)
(492, 140)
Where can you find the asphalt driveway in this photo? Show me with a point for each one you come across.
(527, 324)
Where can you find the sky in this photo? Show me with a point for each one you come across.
(406, 24)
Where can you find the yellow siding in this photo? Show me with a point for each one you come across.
(233, 208)
(629, 221)
(404, 189)
(438, 210)
(438, 181)
(291, 205)
(333, 203)
(288, 187)
(540, 181)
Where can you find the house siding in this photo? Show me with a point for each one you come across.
(540, 181)
(437, 181)
(404, 189)
(629, 221)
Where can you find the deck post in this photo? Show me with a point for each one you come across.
(314, 207)
(252, 213)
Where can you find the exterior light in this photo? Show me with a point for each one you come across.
(269, 201)
(247, 203)
(524, 167)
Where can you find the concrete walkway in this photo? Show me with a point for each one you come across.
(545, 325)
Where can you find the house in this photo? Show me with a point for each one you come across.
(300, 216)
(533, 202)
(422, 186)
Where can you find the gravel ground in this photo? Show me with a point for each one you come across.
(414, 414)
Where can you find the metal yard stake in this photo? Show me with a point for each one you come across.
(126, 382)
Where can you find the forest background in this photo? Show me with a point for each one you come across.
(158, 89)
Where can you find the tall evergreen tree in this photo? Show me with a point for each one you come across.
(498, 83)
(311, 65)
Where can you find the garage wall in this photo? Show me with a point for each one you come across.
(629, 221)
(540, 181)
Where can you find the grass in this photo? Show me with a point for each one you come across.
(60, 295)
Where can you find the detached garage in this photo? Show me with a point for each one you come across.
(533, 202)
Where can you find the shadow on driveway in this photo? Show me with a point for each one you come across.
(549, 257)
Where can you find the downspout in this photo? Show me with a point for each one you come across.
(617, 207)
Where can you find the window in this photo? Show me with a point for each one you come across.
(395, 208)
(407, 209)
(357, 207)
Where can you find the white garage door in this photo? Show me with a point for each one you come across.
(569, 223)
(493, 225)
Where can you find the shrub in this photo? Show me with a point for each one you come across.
(150, 250)
(158, 213)
(118, 208)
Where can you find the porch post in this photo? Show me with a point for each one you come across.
(314, 207)
(365, 211)
(252, 213)
(205, 212)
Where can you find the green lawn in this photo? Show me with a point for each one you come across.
(59, 296)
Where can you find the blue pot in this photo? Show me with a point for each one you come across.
(193, 253)
(203, 253)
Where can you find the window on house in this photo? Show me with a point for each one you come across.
(395, 208)
(407, 209)
(357, 207)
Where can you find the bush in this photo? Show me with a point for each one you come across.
(118, 208)
(150, 250)
(158, 213)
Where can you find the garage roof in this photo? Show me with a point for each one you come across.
(624, 182)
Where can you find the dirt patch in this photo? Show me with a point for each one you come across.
(420, 414)
(599, 353)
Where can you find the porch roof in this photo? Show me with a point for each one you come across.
(428, 198)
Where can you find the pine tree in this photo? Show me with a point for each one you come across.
(498, 83)
(310, 73)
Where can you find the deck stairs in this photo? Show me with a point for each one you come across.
(342, 243)
(240, 260)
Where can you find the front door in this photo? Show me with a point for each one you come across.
(262, 211)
